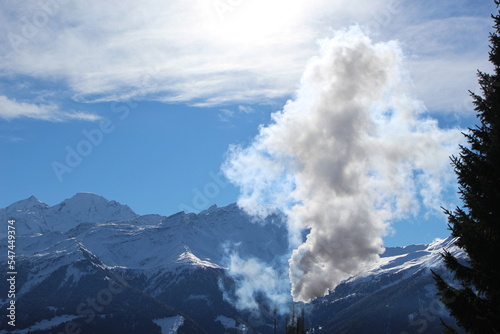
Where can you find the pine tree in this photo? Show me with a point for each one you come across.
(475, 302)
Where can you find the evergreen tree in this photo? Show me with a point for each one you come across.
(475, 301)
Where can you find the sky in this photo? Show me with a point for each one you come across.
(149, 103)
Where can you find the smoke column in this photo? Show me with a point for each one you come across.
(351, 152)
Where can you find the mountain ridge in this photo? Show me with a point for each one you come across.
(81, 208)
(182, 261)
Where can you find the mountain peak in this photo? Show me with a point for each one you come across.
(94, 202)
(84, 208)
(211, 209)
(27, 204)
(86, 198)
(35, 216)
(92, 205)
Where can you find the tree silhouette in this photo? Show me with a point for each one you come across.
(475, 301)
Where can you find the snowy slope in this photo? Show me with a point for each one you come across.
(61, 249)
(410, 259)
(398, 295)
(119, 237)
(30, 214)
(176, 264)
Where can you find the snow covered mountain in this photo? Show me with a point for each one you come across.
(396, 296)
(38, 217)
(94, 265)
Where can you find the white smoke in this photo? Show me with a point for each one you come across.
(349, 154)
(256, 279)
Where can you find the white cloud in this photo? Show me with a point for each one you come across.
(11, 109)
(184, 51)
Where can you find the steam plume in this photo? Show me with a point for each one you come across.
(349, 154)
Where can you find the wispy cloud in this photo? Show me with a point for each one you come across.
(245, 109)
(252, 51)
(443, 56)
(225, 115)
(11, 109)
(12, 139)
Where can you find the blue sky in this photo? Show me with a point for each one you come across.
(166, 87)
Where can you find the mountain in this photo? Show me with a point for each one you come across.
(396, 296)
(92, 265)
(38, 217)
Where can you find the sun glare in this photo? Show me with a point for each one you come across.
(256, 21)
